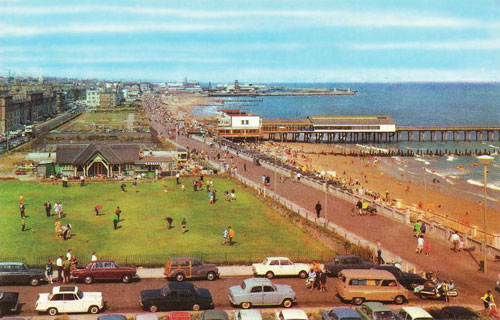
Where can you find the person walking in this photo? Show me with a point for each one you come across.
(115, 221)
(23, 224)
(21, 210)
(69, 254)
(66, 269)
(49, 271)
(122, 186)
(244, 166)
(59, 266)
(455, 239)
(96, 210)
(224, 236)
(82, 181)
(169, 222)
(487, 299)
(21, 199)
(47, 207)
(420, 244)
(379, 253)
(177, 176)
(134, 185)
(322, 281)
(427, 248)
(416, 229)
(118, 211)
(318, 209)
(230, 234)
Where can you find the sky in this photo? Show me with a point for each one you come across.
(253, 41)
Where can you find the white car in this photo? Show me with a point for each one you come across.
(280, 266)
(68, 299)
(414, 313)
(291, 314)
(249, 314)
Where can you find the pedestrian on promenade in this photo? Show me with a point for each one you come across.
(184, 225)
(322, 281)
(230, 234)
(380, 260)
(118, 211)
(23, 224)
(21, 210)
(420, 244)
(455, 240)
(94, 256)
(59, 266)
(115, 221)
(49, 271)
(427, 248)
(416, 228)
(169, 222)
(47, 207)
(318, 209)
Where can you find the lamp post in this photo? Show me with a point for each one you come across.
(485, 160)
(276, 159)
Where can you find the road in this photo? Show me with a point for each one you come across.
(124, 298)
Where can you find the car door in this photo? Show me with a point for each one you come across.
(270, 296)
(97, 271)
(113, 273)
(274, 266)
(186, 299)
(197, 269)
(57, 301)
(256, 295)
(17, 275)
(286, 267)
(5, 274)
(71, 303)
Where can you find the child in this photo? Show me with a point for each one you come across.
(183, 188)
(427, 248)
(461, 245)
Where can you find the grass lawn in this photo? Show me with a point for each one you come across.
(113, 120)
(142, 238)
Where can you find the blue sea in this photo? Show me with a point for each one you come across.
(409, 104)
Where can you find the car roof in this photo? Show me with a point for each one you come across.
(368, 273)
(345, 256)
(376, 306)
(61, 289)
(102, 261)
(146, 316)
(459, 310)
(182, 258)
(180, 285)
(11, 263)
(215, 314)
(250, 314)
(416, 312)
(294, 314)
(277, 258)
(112, 317)
(257, 281)
(342, 312)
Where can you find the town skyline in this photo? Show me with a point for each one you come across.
(343, 41)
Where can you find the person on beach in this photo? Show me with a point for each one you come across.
(416, 229)
(379, 253)
(420, 244)
(455, 240)
(318, 209)
(427, 248)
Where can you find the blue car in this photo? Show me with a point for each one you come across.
(341, 314)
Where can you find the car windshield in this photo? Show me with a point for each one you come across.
(79, 294)
(243, 285)
(383, 315)
(165, 291)
(265, 261)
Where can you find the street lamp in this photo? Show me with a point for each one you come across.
(276, 159)
(485, 160)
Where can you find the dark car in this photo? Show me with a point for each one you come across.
(18, 273)
(407, 279)
(8, 302)
(177, 296)
(346, 262)
(454, 312)
(340, 314)
(104, 270)
(214, 315)
(186, 268)
(112, 317)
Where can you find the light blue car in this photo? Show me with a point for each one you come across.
(261, 292)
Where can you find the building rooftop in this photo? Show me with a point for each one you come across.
(351, 120)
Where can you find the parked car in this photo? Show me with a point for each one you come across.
(291, 314)
(375, 311)
(146, 316)
(176, 296)
(249, 314)
(414, 313)
(68, 299)
(112, 317)
(8, 302)
(104, 270)
(346, 262)
(407, 279)
(12, 273)
(179, 315)
(214, 315)
(340, 314)
(454, 312)
(187, 268)
(280, 266)
(261, 292)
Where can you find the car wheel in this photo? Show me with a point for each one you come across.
(52, 311)
(246, 305)
(94, 309)
(269, 274)
(88, 279)
(302, 274)
(399, 300)
(34, 282)
(196, 307)
(179, 277)
(153, 308)
(287, 303)
(211, 276)
(126, 278)
(357, 301)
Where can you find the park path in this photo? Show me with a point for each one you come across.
(394, 236)
(130, 121)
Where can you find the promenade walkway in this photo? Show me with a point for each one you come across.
(394, 236)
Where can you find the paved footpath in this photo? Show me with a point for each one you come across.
(396, 237)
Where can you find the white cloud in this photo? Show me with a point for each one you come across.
(487, 44)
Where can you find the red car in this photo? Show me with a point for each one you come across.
(104, 270)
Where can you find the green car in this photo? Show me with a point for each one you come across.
(375, 311)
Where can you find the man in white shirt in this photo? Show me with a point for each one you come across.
(68, 254)
(94, 257)
(59, 262)
(455, 239)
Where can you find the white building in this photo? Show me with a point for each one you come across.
(92, 99)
